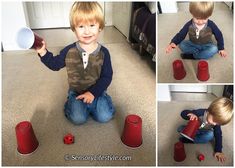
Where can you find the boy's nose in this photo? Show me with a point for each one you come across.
(87, 30)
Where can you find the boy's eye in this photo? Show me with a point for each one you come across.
(92, 25)
(81, 26)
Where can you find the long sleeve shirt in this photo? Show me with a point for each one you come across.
(55, 63)
(205, 35)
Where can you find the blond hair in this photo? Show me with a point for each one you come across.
(86, 12)
(201, 10)
(222, 110)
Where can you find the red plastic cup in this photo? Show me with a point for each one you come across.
(179, 152)
(178, 70)
(203, 71)
(26, 139)
(27, 39)
(191, 129)
(132, 132)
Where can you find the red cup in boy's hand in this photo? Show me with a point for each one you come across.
(42, 51)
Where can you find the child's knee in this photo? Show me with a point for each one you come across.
(214, 49)
(78, 120)
(210, 135)
(104, 109)
(104, 117)
(76, 112)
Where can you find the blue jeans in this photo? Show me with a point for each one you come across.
(199, 51)
(202, 136)
(76, 111)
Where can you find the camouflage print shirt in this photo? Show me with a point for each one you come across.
(203, 37)
(97, 75)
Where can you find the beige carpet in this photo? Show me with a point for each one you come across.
(34, 93)
(221, 69)
(169, 120)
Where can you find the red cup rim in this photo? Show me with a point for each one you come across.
(25, 154)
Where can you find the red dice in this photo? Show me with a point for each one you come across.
(201, 157)
(68, 139)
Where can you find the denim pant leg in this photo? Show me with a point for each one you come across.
(102, 108)
(202, 136)
(207, 51)
(204, 51)
(75, 110)
(187, 47)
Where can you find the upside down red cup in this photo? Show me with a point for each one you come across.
(190, 130)
(27, 39)
(179, 152)
(203, 71)
(178, 70)
(132, 132)
(26, 139)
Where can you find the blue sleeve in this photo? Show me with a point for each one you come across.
(218, 138)
(198, 112)
(55, 63)
(217, 33)
(105, 76)
(182, 33)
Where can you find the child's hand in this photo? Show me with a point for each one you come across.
(87, 97)
(223, 53)
(170, 47)
(220, 157)
(42, 51)
(192, 116)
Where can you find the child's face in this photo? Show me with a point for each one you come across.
(87, 32)
(199, 21)
(210, 119)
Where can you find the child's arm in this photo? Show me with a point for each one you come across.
(55, 63)
(219, 38)
(180, 36)
(218, 144)
(186, 114)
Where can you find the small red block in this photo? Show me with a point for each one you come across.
(68, 139)
(201, 157)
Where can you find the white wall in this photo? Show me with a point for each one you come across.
(217, 90)
(188, 88)
(108, 8)
(122, 16)
(13, 18)
(164, 93)
(168, 6)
